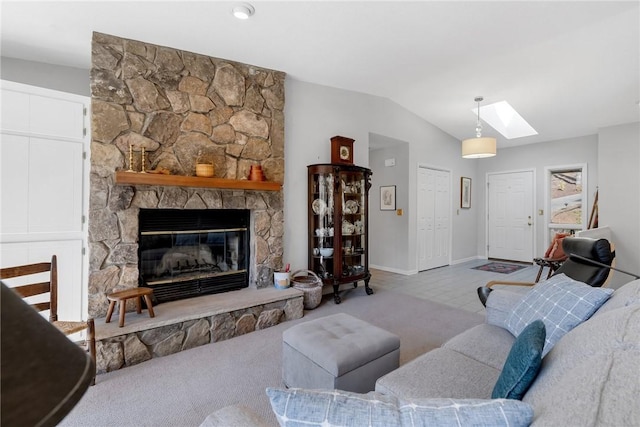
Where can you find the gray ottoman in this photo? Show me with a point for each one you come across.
(338, 352)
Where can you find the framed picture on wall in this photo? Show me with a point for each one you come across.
(465, 192)
(388, 198)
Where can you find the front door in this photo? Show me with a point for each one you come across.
(510, 230)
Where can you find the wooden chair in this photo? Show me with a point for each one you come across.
(553, 257)
(50, 287)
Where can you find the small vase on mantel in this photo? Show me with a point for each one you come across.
(255, 173)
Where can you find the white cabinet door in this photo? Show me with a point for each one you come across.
(55, 185)
(15, 111)
(56, 117)
(49, 113)
(43, 189)
(14, 188)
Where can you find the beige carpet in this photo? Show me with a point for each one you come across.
(183, 388)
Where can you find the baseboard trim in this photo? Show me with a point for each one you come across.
(473, 258)
(415, 271)
(394, 270)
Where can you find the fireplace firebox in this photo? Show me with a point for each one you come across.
(185, 253)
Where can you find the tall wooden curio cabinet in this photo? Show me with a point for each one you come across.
(339, 225)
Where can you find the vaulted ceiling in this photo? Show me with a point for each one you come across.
(569, 68)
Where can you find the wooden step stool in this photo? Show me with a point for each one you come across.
(123, 296)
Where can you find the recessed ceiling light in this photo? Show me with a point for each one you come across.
(502, 117)
(243, 11)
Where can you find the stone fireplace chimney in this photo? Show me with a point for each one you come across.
(180, 107)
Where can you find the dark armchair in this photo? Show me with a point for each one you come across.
(599, 250)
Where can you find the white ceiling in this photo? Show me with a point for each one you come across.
(568, 68)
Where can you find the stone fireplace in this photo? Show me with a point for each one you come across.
(180, 107)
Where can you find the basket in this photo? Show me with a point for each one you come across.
(311, 285)
(204, 170)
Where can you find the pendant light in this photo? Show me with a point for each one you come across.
(478, 147)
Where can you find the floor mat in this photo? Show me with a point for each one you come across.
(499, 267)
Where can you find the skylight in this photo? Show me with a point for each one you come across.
(502, 117)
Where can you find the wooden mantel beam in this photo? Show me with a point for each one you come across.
(137, 178)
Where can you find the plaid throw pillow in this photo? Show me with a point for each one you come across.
(561, 303)
(297, 407)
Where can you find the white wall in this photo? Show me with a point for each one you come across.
(386, 250)
(56, 77)
(619, 197)
(537, 157)
(316, 113)
(313, 114)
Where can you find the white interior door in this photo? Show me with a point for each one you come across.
(510, 222)
(433, 235)
(43, 191)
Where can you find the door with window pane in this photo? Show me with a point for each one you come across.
(566, 200)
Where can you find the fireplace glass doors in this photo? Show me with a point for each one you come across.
(187, 253)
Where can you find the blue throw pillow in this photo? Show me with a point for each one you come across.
(522, 364)
(561, 303)
(329, 408)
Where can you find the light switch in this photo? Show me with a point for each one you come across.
(390, 162)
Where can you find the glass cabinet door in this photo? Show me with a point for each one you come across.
(323, 227)
(353, 223)
(338, 225)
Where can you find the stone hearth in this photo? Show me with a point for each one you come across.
(184, 324)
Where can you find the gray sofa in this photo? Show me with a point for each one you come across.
(590, 377)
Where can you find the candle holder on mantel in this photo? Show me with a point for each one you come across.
(130, 159)
(142, 162)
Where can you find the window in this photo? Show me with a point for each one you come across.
(566, 199)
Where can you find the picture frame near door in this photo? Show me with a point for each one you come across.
(387, 197)
(465, 192)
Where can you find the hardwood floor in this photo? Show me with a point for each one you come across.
(453, 285)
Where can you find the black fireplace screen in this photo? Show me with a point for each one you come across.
(186, 253)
